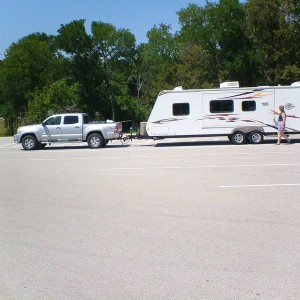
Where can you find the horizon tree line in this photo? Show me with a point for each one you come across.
(106, 74)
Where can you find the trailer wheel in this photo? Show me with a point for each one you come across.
(256, 137)
(95, 140)
(238, 138)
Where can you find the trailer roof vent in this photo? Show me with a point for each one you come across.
(297, 83)
(178, 88)
(230, 84)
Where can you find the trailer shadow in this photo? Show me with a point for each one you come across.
(191, 143)
(217, 143)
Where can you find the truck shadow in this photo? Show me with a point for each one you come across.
(71, 147)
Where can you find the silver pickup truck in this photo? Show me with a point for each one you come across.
(67, 128)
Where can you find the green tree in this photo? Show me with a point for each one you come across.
(29, 64)
(274, 28)
(82, 61)
(218, 32)
(193, 67)
(157, 68)
(58, 97)
(115, 49)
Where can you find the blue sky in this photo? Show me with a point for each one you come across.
(18, 18)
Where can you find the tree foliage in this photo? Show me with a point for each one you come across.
(105, 74)
(29, 64)
(274, 29)
(58, 97)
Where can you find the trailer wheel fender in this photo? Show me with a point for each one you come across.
(238, 138)
(255, 137)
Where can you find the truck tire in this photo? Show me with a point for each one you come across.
(256, 137)
(95, 140)
(238, 138)
(29, 142)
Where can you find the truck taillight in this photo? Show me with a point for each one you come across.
(118, 127)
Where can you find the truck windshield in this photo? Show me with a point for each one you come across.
(53, 121)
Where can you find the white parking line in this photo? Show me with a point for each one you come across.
(60, 159)
(189, 167)
(259, 185)
(9, 145)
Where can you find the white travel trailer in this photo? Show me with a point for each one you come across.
(242, 114)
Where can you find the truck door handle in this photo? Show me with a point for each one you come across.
(76, 126)
(57, 127)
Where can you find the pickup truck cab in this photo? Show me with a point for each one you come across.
(67, 128)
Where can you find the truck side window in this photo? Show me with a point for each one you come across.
(181, 109)
(221, 106)
(85, 119)
(71, 120)
(248, 106)
(53, 121)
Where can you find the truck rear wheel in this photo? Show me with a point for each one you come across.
(29, 142)
(95, 140)
(238, 138)
(256, 137)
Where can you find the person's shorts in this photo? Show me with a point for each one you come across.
(280, 126)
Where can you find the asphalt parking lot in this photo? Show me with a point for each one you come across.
(167, 219)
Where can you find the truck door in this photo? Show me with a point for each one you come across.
(71, 128)
(51, 129)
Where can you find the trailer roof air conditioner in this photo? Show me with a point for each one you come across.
(230, 84)
(297, 83)
(178, 88)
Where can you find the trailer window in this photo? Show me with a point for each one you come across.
(220, 106)
(181, 109)
(248, 106)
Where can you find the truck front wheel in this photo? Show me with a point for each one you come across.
(29, 142)
(95, 140)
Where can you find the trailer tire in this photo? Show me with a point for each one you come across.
(29, 142)
(95, 140)
(256, 137)
(238, 138)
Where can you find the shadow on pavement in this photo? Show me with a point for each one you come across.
(72, 147)
(216, 143)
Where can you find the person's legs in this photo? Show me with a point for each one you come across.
(286, 137)
(279, 134)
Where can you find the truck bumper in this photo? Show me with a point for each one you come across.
(17, 138)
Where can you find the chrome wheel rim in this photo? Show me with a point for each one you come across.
(29, 143)
(95, 142)
(239, 138)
